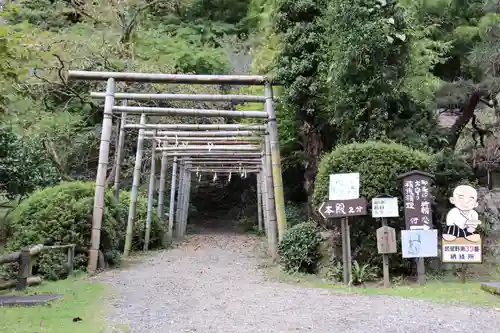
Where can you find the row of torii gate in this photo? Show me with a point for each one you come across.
(214, 148)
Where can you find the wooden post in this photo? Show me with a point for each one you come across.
(186, 198)
(463, 273)
(348, 249)
(24, 269)
(344, 250)
(119, 151)
(100, 183)
(421, 271)
(259, 202)
(71, 259)
(272, 236)
(135, 188)
(171, 211)
(263, 179)
(151, 194)
(276, 162)
(161, 190)
(180, 198)
(385, 262)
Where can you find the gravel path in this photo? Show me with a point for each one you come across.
(213, 284)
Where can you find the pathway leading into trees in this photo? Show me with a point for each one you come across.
(213, 284)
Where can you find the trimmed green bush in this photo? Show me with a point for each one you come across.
(62, 214)
(299, 248)
(378, 163)
(157, 227)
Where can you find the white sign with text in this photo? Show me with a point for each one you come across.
(385, 207)
(344, 186)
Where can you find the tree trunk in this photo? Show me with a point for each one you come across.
(467, 112)
(312, 144)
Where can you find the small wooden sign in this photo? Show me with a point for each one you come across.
(343, 208)
(386, 240)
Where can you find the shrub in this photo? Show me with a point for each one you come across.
(157, 226)
(379, 164)
(361, 273)
(294, 214)
(62, 215)
(299, 249)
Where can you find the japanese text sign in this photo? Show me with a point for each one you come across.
(343, 208)
(385, 207)
(454, 252)
(417, 200)
(343, 186)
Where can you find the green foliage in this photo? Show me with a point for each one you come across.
(157, 227)
(299, 248)
(335, 271)
(63, 215)
(23, 166)
(294, 214)
(368, 53)
(362, 273)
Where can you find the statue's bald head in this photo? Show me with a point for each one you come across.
(464, 197)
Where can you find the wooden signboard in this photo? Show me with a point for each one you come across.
(417, 200)
(343, 208)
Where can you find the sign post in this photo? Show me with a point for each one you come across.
(418, 208)
(385, 206)
(344, 201)
(343, 209)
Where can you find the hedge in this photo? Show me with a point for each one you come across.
(63, 215)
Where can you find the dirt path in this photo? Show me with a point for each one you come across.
(213, 284)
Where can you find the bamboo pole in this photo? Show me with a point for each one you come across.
(169, 78)
(211, 148)
(161, 190)
(264, 198)
(173, 134)
(200, 127)
(107, 124)
(235, 161)
(119, 152)
(229, 139)
(226, 170)
(259, 202)
(187, 195)
(215, 154)
(151, 194)
(171, 210)
(134, 192)
(271, 208)
(189, 112)
(180, 198)
(184, 97)
(276, 162)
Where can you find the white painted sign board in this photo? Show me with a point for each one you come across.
(344, 186)
(419, 243)
(385, 207)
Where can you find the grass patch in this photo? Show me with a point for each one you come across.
(81, 299)
(435, 290)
